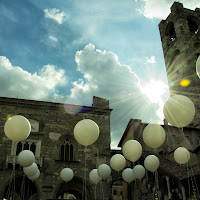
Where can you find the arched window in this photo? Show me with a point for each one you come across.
(19, 148)
(33, 148)
(67, 151)
(170, 31)
(26, 146)
(192, 25)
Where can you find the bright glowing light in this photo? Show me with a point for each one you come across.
(185, 83)
(154, 89)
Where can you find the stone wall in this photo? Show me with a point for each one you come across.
(56, 123)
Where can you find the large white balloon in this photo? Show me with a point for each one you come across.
(34, 177)
(154, 135)
(198, 66)
(66, 174)
(117, 162)
(94, 177)
(86, 132)
(132, 150)
(151, 163)
(139, 171)
(127, 175)
(181, 155)
(104, 171)
(179, 111)
(17, 128)
(26, 158)
(31, 170)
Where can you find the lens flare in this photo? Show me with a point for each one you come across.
(185, 83)
(8, 117)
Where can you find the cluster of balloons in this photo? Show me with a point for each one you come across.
(27, 160)
(18, 128)
(179, 111)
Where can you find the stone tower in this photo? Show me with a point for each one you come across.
(180, 36)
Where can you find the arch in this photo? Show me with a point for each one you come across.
(74, 187)
(24, 188)
(170, 31)
(192, 22)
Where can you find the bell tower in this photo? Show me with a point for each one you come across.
(180, 36)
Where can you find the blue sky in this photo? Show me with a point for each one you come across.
(69, 51)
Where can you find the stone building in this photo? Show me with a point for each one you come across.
(172, 178)
(180, 36)
(54, 146)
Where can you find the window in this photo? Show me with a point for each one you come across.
(192, 25)
(32, 145)
(67, 151)
(170, 31)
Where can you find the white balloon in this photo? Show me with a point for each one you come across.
(127, 175)
(198, 66)
(86, 132)
(151, 163)
(181, 155)
(17, 128)
(117, 162)
(179, 111)
(104, 171)
(31, 170)
(132, 150)
(94, 177)
(34, 177)
(66, 174)
(139, 171)
(26, 158)
(154, 135)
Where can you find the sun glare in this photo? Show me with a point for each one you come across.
(154, 89)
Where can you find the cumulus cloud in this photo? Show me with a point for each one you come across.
(152, 59)
(56, 15)
(161, 8)
(106, 77)
(16, 82)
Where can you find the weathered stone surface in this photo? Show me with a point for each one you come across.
(55, 126)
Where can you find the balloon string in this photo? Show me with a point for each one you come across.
(9, 187)
(95, 194)
(184, 140)
(85, 173)
(194, 180)
(22, 191)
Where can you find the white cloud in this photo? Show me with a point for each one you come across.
(56, 15)
(161, 8)
(106, 77)
(152, 59)
(53, 38)
(16, 82)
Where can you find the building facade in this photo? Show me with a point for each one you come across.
(54, 146)
(174, 181)
(180, 36)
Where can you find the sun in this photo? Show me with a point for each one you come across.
(154, 90)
